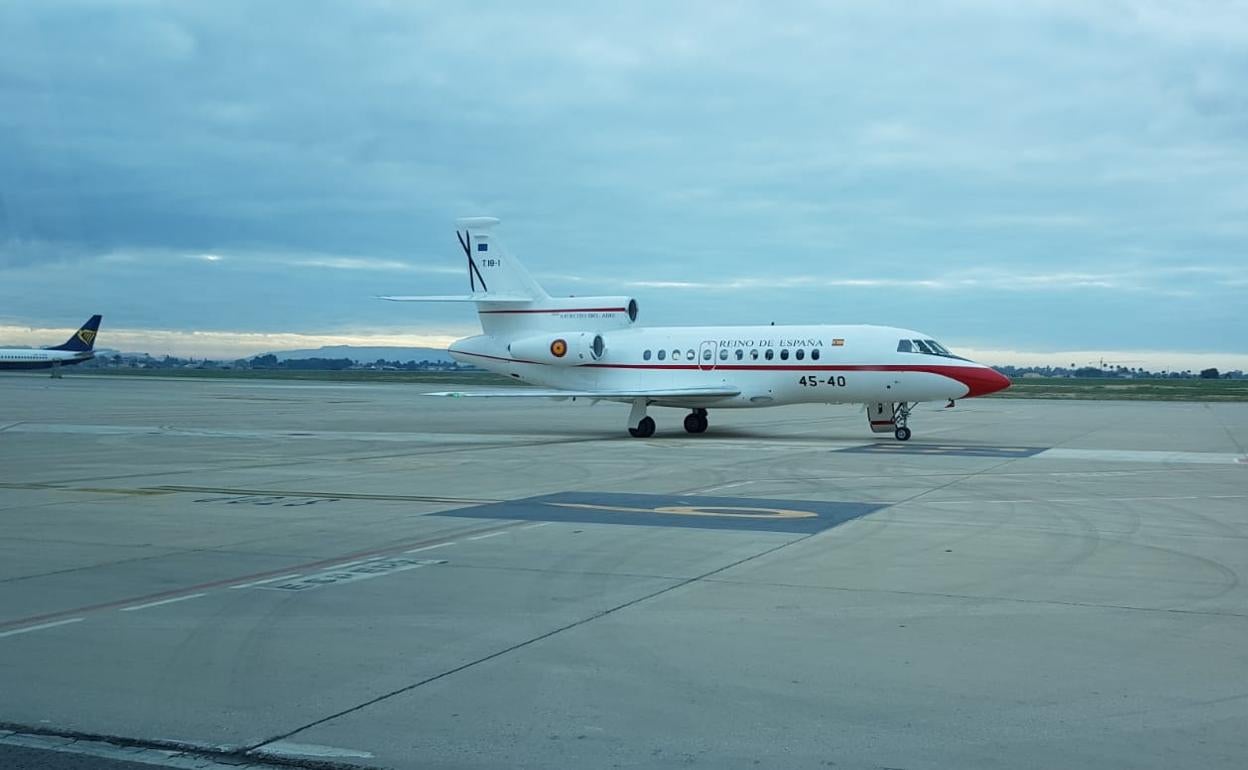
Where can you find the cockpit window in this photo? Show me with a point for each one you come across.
(928, 347)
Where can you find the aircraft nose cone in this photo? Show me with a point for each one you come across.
(981, 382)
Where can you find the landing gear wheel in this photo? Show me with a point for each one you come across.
(644, 429)
(696, 423)
(902, 433)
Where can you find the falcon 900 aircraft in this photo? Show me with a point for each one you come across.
(591, 347)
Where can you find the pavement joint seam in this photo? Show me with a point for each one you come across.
(527, 642)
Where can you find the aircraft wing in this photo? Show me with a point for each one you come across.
(521, 392)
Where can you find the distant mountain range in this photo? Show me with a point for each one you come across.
(367, 355)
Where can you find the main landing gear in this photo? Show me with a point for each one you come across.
(640, 425)
(644, 429)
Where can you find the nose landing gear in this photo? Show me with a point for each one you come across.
(884, 417)
(901, 414)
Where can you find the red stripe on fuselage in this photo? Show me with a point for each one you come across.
(978, 380)
(557, 310)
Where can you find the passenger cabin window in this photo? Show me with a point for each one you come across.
(784, 354)
(690, 355)
(904, 346)
(800, 354)
(675, 355)
(770, 354)
(814, 354)
(753, 355)
(723, 354)
(740, 353)
(662, 354)
(646, 356)
(706, 354)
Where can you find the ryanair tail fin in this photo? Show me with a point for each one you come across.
(84, 338)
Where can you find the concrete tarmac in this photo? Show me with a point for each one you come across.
(340, 573)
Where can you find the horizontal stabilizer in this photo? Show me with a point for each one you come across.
(461, 298)
(522, 392)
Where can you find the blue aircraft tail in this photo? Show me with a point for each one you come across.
(84, 338)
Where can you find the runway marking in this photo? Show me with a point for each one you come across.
(356, 572)
(266, 580)
(486, 536)
(1140, 456)
(948, 450)
(429, 547)
(39, 627)
(539, 524)
(1083, 499)
(161, 603)
(224, 582)
(327, 495)
(695, 511)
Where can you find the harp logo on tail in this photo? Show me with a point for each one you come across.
(87, 336)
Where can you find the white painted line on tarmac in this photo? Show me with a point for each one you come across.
(1137, 456)
(39, 627)
(539, 524)
(291, 749)
(103, 750)
(1079, 499)
(487, 535)
(427, 548)
(719, 487)
(161, 602)
(266, 580)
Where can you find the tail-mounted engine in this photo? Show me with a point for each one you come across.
(560, 349)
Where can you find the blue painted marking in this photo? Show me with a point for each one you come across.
(949, 450)
(691, 511)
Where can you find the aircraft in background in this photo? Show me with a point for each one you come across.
(590, 347)
(78, 348)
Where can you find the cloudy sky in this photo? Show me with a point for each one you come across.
(1022, 179)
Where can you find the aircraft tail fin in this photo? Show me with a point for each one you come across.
(510, 302)
(84, 338)
(492, 270)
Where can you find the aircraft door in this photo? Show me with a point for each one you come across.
(707, 355)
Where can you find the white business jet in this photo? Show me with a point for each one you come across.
(592, 347)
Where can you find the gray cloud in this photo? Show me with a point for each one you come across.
(1052, 166)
